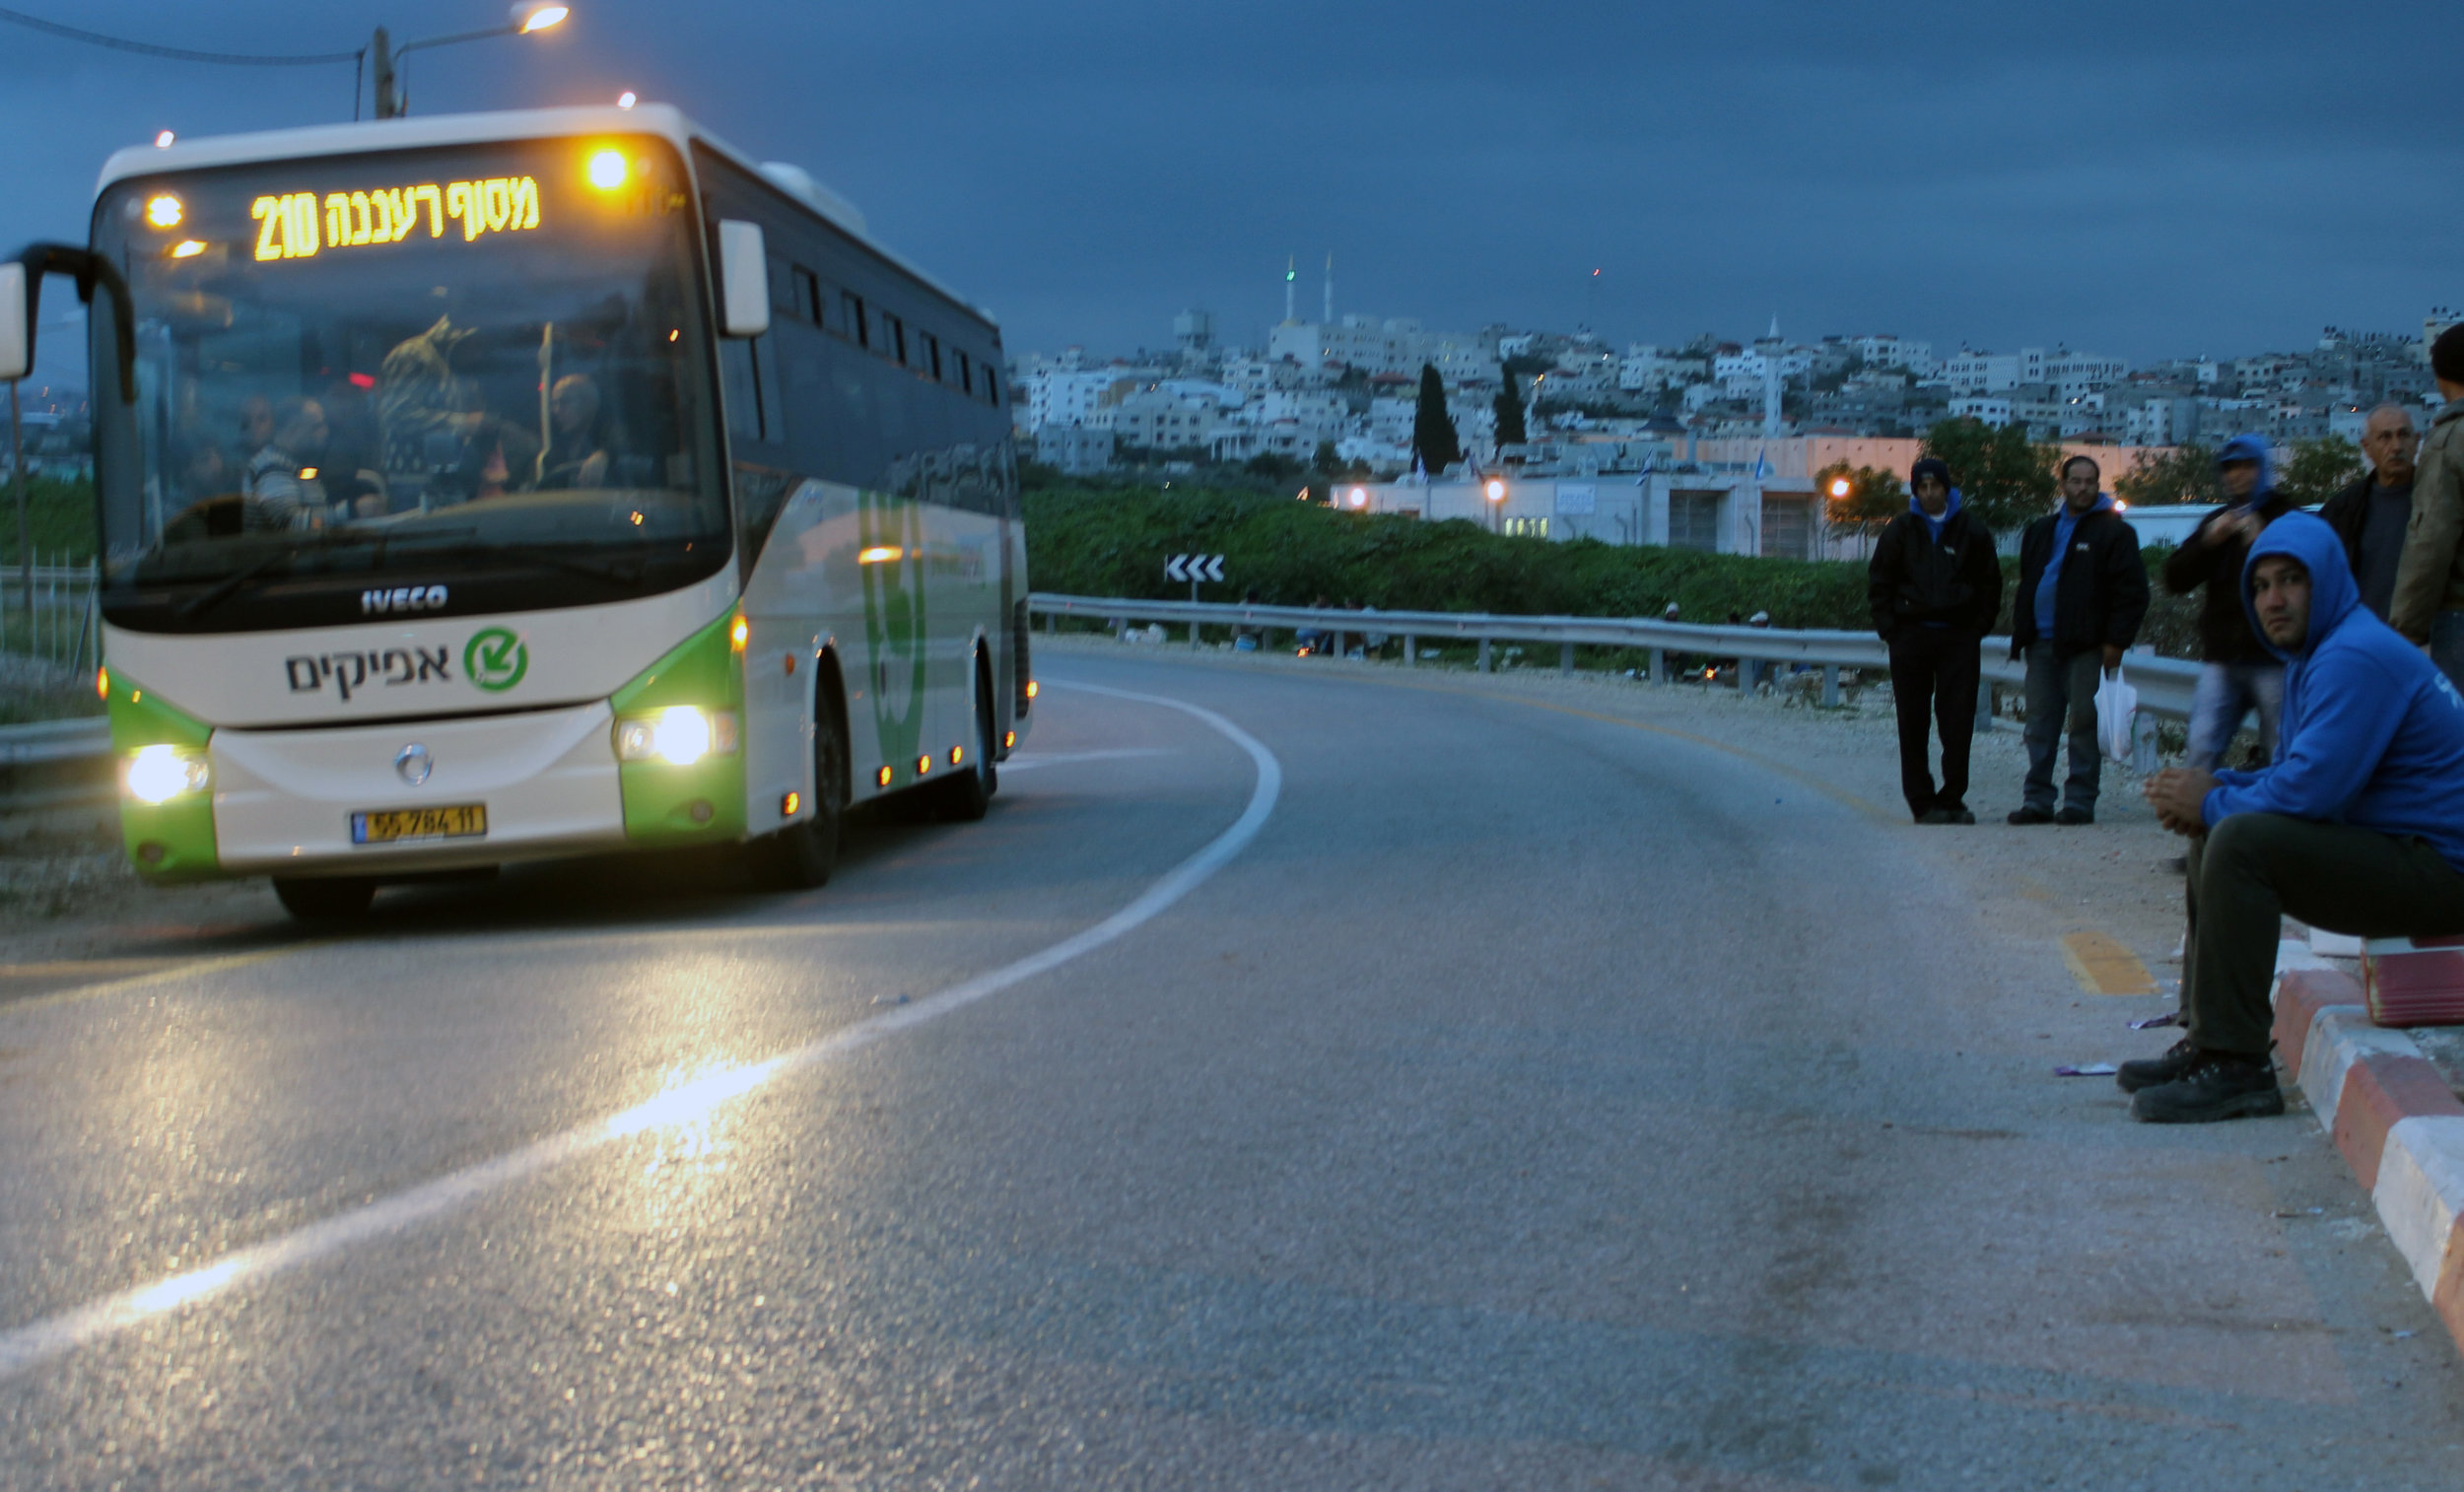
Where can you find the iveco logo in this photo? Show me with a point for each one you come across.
(414, 763)
(376, 603)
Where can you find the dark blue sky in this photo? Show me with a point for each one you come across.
(2140, 179)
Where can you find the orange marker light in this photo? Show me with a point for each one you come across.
(789, 804)
(1033, 688)
(957, 755)
(738, 632)
(103, 684)
(883, 777)
(1008, 740)
(924, 764)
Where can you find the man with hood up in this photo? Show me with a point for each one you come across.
(2082, 595)
(2237, 673)
(1935, 588)
(2356, 827)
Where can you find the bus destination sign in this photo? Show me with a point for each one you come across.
(297, 225)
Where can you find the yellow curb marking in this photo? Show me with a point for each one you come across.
(2105, 967)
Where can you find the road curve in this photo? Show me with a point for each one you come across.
(1506, 1096)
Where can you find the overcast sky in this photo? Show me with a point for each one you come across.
(2141, 179)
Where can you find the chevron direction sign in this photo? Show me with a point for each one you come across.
(1193, 568)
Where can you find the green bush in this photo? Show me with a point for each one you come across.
(1113, 541)
(59, 513)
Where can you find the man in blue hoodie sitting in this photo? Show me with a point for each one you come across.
(2356, 827)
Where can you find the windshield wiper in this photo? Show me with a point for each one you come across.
(618, 574)
(228, 587)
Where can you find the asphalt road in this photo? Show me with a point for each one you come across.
(1475, 1094)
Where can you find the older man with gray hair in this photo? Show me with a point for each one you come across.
(2371, 514)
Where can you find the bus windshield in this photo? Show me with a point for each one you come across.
(473, 378)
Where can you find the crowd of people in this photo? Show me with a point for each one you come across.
(2343, 632)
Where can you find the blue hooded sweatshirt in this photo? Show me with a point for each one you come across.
(2065, 523)
(1933, 525)
(2373, 732)
(2250, 448)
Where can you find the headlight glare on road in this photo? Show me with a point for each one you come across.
(679, 735)
(160, 774)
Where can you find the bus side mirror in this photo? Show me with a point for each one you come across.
(743, 279)
(17, 324)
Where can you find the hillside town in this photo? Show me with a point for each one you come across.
(1341, 393)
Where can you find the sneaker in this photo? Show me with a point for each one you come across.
(2075, 816)
(2220, 1087)
(2030, 816)
(2156, 1071)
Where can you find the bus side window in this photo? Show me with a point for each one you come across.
(781, 288)
(851, 314)
(807, 295)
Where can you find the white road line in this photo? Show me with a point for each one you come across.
(39, 1342)
(1070, 758)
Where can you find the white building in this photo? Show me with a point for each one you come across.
(1398, 345)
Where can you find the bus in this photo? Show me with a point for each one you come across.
(498, 486)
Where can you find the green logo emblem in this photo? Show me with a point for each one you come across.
(496, 660)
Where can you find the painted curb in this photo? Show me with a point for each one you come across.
(2392, 1117)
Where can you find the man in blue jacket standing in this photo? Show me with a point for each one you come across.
(2356, 827)
(2082, 592)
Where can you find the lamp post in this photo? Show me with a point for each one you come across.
(1495, 492)
(528, 17)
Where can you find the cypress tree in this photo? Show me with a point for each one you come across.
(1433, 439)
(1509, 407)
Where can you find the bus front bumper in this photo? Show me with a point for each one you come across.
(333, 802)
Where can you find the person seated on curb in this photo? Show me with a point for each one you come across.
(2356, 827)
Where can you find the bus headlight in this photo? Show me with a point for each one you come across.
(679, 735)
(160, 774)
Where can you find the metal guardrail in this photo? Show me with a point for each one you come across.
(54, 741)
(2164, 685)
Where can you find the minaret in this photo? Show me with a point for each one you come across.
(1329, 290)
(1291, 263)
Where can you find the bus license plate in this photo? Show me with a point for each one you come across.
(393, 826)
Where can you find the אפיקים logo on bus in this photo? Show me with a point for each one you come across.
(495, 659)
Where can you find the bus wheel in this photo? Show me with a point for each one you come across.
(967, 796)
(801, 857)
(325, 898)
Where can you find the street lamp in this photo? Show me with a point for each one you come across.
(1495, 492)
(529, 15)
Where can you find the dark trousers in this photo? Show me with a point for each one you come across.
(1934, 672)
(2062, 700)
(2253, 868)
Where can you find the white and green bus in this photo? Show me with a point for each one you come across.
(511, 485)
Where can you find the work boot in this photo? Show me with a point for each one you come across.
(2220, 1087)
(2075, 816)
(2156, 1071)
(2030, 816)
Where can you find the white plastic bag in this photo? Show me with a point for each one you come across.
(2117, 708)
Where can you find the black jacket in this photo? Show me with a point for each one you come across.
(2225, 635)
(2102, 597)
(1914, 580)
(2346, 512)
